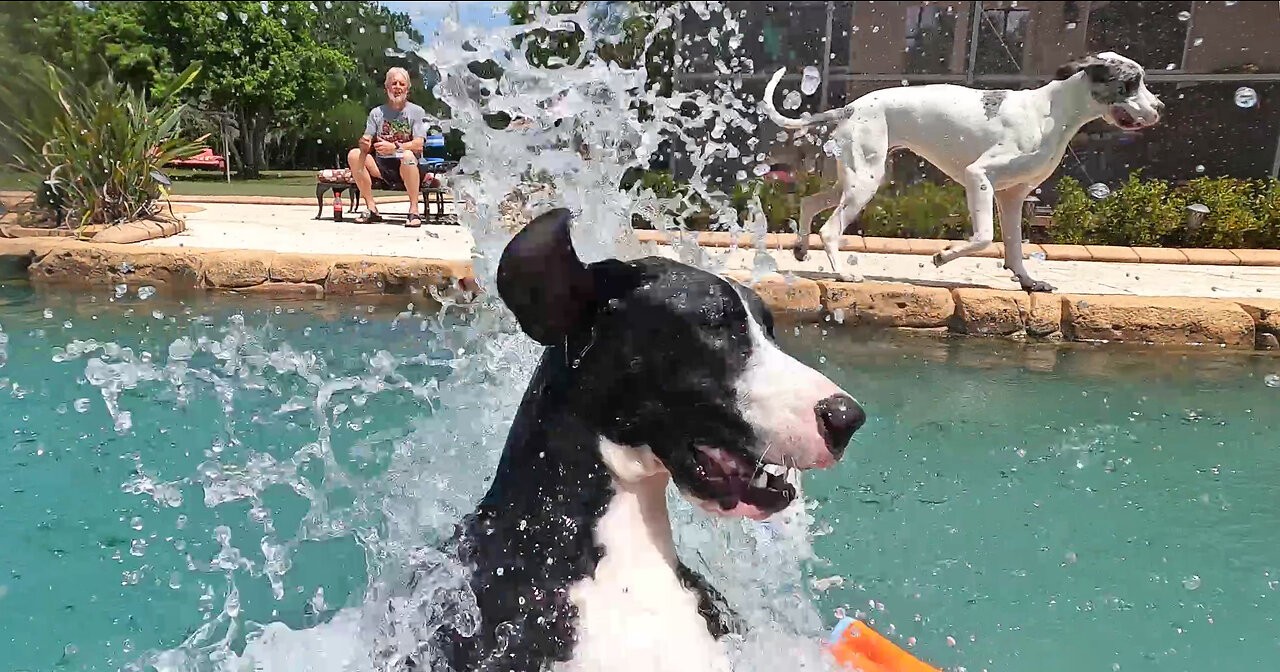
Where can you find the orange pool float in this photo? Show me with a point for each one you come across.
(856, 646)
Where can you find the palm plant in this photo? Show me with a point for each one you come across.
(99, 147)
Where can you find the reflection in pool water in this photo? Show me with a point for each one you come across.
(1006, 506)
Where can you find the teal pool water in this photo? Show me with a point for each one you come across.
(1007, 507)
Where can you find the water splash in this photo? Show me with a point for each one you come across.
(578, 127)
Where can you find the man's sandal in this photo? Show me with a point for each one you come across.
(369, 217)
(414, 221)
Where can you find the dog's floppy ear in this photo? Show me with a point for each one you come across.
(1098, 70)
(543, 282)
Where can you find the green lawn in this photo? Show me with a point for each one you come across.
(300, 183)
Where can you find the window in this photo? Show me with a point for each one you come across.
(1151, 33)
(1002, 37)
(931, 34)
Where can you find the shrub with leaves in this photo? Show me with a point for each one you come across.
(1242, 214)
(923, 210)
(98, 148)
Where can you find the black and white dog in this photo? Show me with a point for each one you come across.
(653, 372)
(1000, 145)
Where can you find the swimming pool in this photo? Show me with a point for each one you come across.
(1006, 507)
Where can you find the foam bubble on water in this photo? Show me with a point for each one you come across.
(1272, 380)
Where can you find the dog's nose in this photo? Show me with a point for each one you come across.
(839, 416)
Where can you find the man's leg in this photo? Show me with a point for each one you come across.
(412, 181)
(364, 174)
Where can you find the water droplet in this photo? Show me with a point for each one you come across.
(244, 17)
(1099, 190)
(810, 81)
(1246, 97)
(136, 522)
(1197, 42)
(1272, 380)
(222, 16)
(70, 650)
(791, 101)
(146, 292)
(760, 169)
(81, 405)
(951, 641)
(48, 313)
(1191, 582)
(181, 522)
(138, 548)
(1184, 15)
(1200, 168)
(175, 580)
(266, 7)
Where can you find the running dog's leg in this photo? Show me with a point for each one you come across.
(1009, 203)
(859, 189)
(809, 206)
(978, 188)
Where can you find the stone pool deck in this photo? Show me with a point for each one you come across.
(1225, 298)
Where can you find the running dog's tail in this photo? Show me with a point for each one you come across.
(788, 122)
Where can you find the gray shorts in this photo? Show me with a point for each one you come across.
(389, 166)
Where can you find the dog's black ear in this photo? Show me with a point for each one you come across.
(1097, 69)
(1088, 63)
(543, 282)
(1100, 71)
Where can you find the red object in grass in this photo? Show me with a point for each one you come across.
(205, 159)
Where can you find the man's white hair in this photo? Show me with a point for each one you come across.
(396, 71)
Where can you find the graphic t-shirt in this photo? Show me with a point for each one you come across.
(396, 125)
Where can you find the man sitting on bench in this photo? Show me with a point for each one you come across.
(390, 147)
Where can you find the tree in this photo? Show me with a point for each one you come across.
(277, 73)
(263, 62)
(87, 39)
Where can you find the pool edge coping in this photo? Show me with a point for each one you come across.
(1233, 323)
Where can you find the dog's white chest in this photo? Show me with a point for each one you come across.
(634, 614)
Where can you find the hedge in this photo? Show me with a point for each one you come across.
(1242, 214)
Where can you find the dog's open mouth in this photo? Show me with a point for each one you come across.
(1125, 120)
(737, 485)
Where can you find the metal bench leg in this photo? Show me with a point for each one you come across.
(321, 187)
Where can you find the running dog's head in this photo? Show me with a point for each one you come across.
(1118, 90)
(676, 370)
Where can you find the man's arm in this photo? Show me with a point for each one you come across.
(366, 140)
(419, 132)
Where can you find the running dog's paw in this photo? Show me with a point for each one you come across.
(938, 260)
(800, 253)
(1029, 285)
